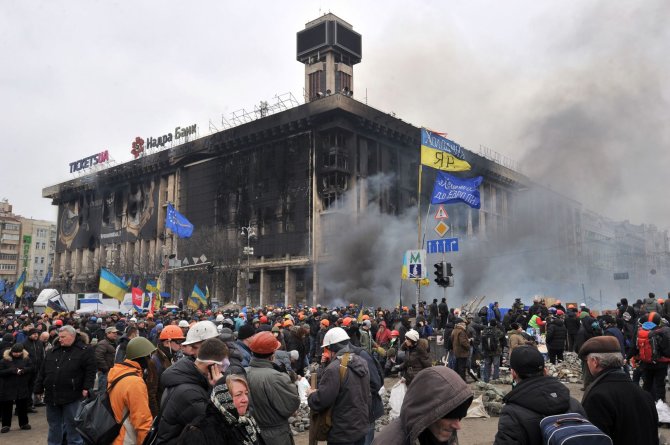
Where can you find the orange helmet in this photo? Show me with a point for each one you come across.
(365, 317)
(395, 333)
(172, 332)
(346, 321)
(288, 323)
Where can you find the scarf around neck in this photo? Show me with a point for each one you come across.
(223, 401)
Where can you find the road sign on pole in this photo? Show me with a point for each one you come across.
(414, 264)
(441, 213)
(442, 245)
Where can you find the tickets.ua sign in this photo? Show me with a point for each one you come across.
(89, 161)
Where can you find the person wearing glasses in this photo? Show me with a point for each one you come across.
(187, 385)
(226, 420)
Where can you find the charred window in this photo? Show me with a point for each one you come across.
(315, 84)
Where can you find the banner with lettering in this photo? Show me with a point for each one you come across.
(449, 189)
(440, 153)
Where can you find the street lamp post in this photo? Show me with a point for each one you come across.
(249, 232)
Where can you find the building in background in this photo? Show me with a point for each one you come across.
(41, 253)
(10, 243)
(25, 244)
(277, 189)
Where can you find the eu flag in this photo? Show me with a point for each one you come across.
(178, 223)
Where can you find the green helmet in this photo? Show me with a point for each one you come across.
(139, 347)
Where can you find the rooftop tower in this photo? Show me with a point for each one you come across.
(329, 47)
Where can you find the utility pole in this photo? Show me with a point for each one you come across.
(249, 232)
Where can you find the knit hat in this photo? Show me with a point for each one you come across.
(603, 343)
(226, 334)
(246, 331)
(264, 343)
(526, 360)
(17, 347)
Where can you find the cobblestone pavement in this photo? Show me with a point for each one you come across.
(474, 432)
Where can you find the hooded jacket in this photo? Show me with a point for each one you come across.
(15, 386)
(434, 393)
(349, 399)
(129, 395)
(529, 402)
(185, 397)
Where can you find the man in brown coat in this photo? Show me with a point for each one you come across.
(105, 351)
(461, 345)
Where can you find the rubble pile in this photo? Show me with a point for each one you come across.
(567, 371)
(492, 396)
(300, 421)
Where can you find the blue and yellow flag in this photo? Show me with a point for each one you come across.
(18, 287)
(112, 285)
(440, 153)
(152, 286)
(197, 298)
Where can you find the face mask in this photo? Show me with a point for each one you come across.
(142, 361)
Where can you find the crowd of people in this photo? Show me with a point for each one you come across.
(233, 376)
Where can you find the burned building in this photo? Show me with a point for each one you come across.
(270, 196)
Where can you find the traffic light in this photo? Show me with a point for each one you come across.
(441, 277)
(449, 272)
(439, 274)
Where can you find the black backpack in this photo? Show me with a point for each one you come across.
(660, 344)
(95, 420)
(490, 341)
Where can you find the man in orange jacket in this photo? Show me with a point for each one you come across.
(129, 397)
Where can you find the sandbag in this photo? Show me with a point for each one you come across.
(663, 412)
(395, 400)
(477, 409)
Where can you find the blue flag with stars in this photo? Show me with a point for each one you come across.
(178, 223)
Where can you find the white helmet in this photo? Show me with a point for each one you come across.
(334, 335)
(412, 335)
(200, 331)
(183, 324)
(219, 318)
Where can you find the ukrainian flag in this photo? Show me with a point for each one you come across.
(440, 153)
(112, 285)
(441, 160)
(197, 298)
(18, 287)
(152, 286)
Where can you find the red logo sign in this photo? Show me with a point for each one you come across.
(138, 147)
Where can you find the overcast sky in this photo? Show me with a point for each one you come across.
(576, 91)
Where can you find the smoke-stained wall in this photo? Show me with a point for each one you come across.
(127, 212)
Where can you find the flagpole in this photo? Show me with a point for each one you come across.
(423, 240)
(418, 203)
